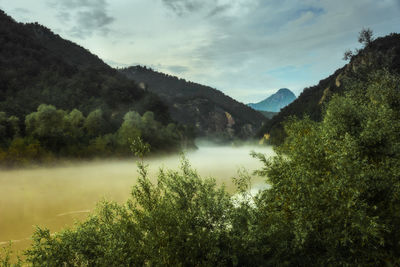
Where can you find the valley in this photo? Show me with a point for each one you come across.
(157, 160)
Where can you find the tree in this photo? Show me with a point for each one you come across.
(365, 36)
(335, 185)
(130, 128)
(14, 127)
(74, 124)
(3, 128)
(95, 124)
(348, 55)
(47, 125)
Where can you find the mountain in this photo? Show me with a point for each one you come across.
(39, 67)
(275, 102)
(268, 114)
(211, 112)
(382, 53)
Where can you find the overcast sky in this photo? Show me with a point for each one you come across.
(246, 48)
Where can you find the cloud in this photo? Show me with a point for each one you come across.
(22, 10)
(169, 69)
(176, 69)
(218, 10)
(182, 7)
(246, 44)
(76, 4)
(85, 17)
(63, 16)
(208, 8)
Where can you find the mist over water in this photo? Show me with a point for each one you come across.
(56, 197)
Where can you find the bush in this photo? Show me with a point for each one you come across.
(183, 220)
(335, 189)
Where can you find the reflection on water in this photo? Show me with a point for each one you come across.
(56, 197)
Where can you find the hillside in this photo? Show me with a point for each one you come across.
(207, 109)
(268, 114)
(275, 102)
(39, 67)
(57, 100)
(381, 53)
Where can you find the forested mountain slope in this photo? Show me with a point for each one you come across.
(381, 53)
(59, 100)
(210, 111)
(38, 66)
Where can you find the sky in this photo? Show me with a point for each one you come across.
(246, 48)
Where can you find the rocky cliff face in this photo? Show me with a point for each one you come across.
(208, 110)
(275, 102)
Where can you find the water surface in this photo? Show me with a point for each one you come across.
(56, 197)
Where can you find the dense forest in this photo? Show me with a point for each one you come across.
(51, 90)
(333, 200)
(39, 67)
(382, 53)
(51, 133)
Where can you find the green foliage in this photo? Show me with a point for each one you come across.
(365, 36)
(130, 128)
(180, 221)
(38, 66)
(47, 125)
(138, 147)
(25, 150)
(102, 146)
(14, 127)
(9, 129)
(95, 124)
(74, 122)
(51, 131)
(3, 127)
(5, 258)
(335, 184)
(348, 54)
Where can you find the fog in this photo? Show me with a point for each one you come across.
(55, 197)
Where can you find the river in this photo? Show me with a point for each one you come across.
(56, 197)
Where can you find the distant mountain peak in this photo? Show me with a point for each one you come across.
(284, 90)
(275, 102)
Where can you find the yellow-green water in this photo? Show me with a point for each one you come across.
(55, 197)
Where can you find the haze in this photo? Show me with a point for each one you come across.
(55, 197)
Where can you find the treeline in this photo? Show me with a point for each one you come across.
(51, 133)
(333, 201)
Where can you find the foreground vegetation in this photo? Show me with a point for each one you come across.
(334, 200)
